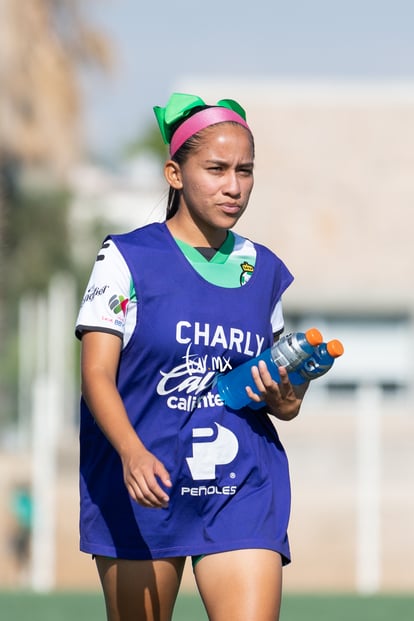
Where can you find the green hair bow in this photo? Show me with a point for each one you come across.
(180, 105)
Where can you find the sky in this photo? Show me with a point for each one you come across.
(158, 44)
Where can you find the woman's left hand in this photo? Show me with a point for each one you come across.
(282, 399)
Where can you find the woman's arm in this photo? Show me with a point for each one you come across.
(99, 365)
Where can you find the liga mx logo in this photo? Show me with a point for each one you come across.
(207, 454)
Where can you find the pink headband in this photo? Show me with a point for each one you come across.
(201, 120)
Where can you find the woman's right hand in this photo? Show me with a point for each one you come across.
(142, 474)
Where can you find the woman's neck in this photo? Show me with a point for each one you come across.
(191, 234)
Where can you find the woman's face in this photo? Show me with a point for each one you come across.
(217, 177)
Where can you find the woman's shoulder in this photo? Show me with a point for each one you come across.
(147, 230)
(244, 243)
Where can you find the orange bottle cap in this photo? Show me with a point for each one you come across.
(313, 336)
(335, 348)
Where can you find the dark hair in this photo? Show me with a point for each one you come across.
(181, 155)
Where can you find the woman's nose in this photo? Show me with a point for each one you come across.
(232, 186)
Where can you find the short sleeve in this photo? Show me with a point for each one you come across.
(277, 319)
(105, 302)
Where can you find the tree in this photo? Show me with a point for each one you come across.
(43, 43)
(150, 142)
(43, 46)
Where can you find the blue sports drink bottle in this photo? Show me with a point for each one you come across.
(318, 364)
(289, 352)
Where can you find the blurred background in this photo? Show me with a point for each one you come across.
(329, 91)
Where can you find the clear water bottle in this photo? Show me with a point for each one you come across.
(319, 362)
(289, 351)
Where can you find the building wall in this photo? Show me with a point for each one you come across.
(334, 186)
(333, 197)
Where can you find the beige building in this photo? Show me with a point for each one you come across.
(333, 197)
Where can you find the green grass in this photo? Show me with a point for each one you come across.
(347, 608)
(22, 606)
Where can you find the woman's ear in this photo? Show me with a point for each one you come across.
(172, 173)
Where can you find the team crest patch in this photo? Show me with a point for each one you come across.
(247, 271)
